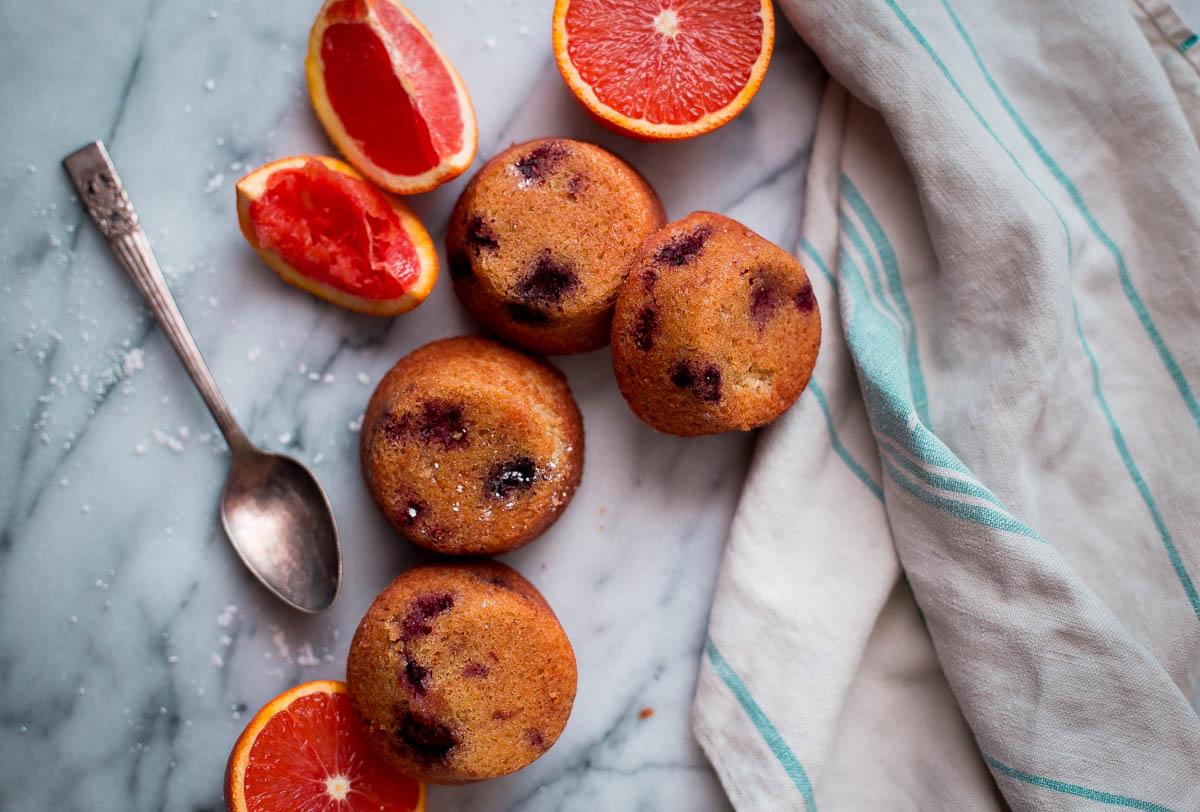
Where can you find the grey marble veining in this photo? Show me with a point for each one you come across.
(133, 646)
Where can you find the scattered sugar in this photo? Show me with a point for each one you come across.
(225, 619)
(364, 378)
(226, 640)
(209, 85)
(285, 438)
(490, 42)
(133, 361)
(31, 169)
(139, 449)
(254, 354)
(213, 301)
(220, 141)
(85, 508)
(316, 460)
(162, 438)
(215, 182)
(281, 646)
(314, 376)
(328, 378)
(213, 14)
(524, 31)
(305, 656)
(217, 661)
(356, 423)
(184, 432)
(72, 619)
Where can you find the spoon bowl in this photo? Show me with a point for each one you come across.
(280, 523)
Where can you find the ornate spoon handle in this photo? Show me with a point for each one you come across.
(103, 195)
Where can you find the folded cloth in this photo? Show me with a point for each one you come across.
(963, 571)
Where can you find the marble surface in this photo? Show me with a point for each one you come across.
(133, 645)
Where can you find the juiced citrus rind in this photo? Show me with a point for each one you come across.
(251, 187)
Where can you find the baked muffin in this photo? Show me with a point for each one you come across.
(469, 446)
(541, 238)
(715, 328)
(460, 672)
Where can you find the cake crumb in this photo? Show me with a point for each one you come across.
(645, 713)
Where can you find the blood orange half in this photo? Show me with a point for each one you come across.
(389, 99)
(663, 69)
(325, 229)
(302, 753)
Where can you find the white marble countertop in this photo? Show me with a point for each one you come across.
(133, 645)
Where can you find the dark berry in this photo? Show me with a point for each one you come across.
(705, 384)
(480, 235)
(684, 248)
(418, 677)
(681, 375)
(423, 610)
(763, 302)
(645, 325)
(547, 282)
(393, 428)
(534, 737)
(577, 185)
(475, 670)
(524, 314)
(425, 737)
(460, 265)
(649, 279)
(709, 386)
(517, 474)
(442, 423)
(804, 299)
(538, 164)
(503, 715)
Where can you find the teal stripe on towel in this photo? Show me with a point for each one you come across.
(811, 250)
(993, 518)
(1074, 789)
(892, 269)
(1118, 437)
(875, 342)
(1126, 457)
(1187, 44)
(1138, 306)
(787, 759)
(1135, 299)
(815, 388)
(841, 450)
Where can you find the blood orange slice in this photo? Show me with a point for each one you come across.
(325, 229)
(302, 753)
(663, 69)
(389, 99)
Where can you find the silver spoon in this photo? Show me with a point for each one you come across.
(274, 511)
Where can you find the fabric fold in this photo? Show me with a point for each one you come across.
(1001, 226)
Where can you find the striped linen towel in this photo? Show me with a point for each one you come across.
(963, 571)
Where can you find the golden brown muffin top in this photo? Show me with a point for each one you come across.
(469, 446)
(461, 672)
(715, 329)
(541, 239)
